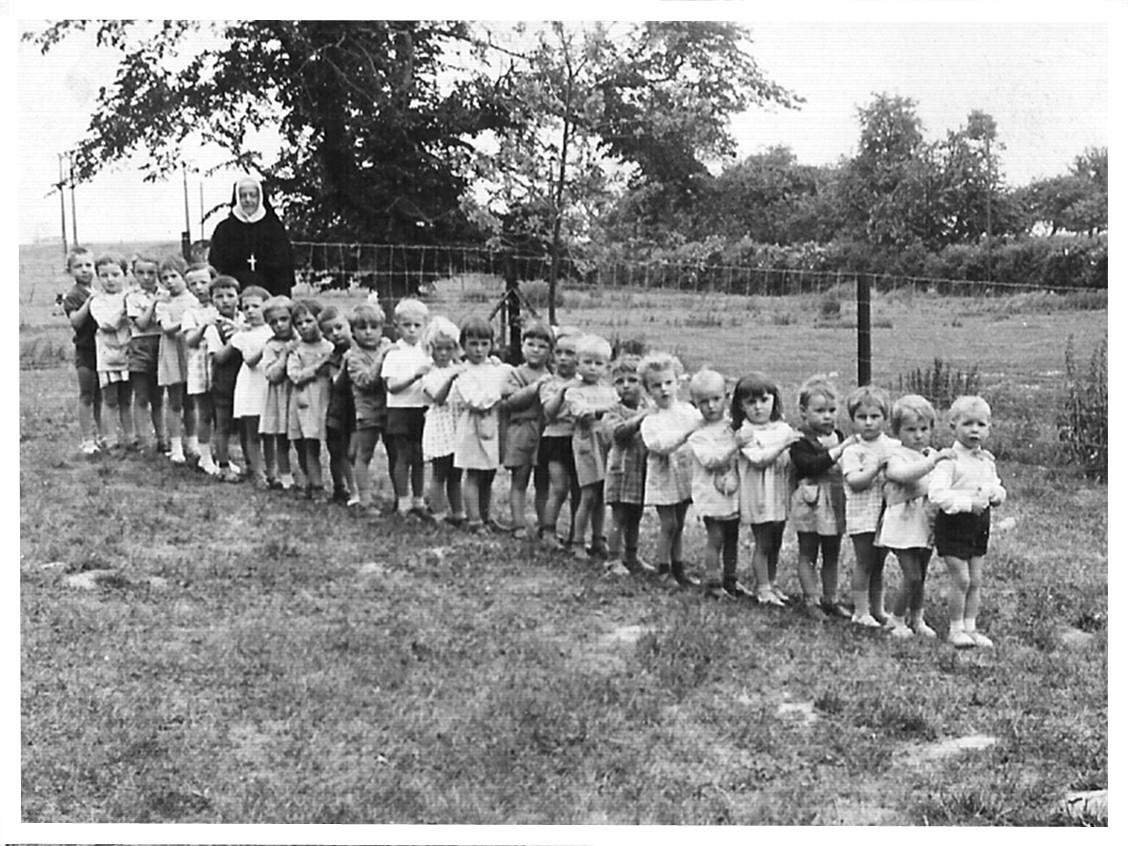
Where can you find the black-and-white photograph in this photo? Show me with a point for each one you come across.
(688, 414)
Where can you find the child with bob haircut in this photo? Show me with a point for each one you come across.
(107, 307)
(76, 306)
(524, 419)
(198, 384)
(307, 368)
(274, 422)
(477, 393)
(906, 527)
(172, 360)
(251, 383)
(554, 451)
(404, 365)
(864, 463)
(363, 363)
(144, 349)
(441, 342)
(665, 432)
(965, 488)
(627, 465)
(818, 506)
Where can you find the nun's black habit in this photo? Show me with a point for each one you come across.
(251, 244)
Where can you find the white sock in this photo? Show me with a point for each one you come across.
(287, 479)
(206, 455)
(970, 625)
(192, 443)
(177, 446)
(405, 503)
(419, 502)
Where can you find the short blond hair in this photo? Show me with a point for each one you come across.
(594, 345)
(909, 408)
(410, 307)
(658, 362)
(703, 380)
(968, 405)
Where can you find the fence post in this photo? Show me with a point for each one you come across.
(513, 310)
(862, 287)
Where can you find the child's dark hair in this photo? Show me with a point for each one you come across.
(223, 282)
(753, 386)
(475, 327)
(143, 258)
(539, 330)
(305, 306)
(868, 395)
(255, 291)
(367, 315)
(111, 258)
(76, 251)
(330, 312)
(203, 265)
(173, 262)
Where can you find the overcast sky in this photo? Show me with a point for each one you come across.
(1045, 79)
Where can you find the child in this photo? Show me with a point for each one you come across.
(340, 417)
(144, 350)
(478, 392)
(817, 512)
(307, 367)
(765, 470)
(404, 365)
(667, 487)
(586, 404)
(627, 464)
(715, 485)
(274, 422)
(226, 362)
(863, 464)
(521, 403)
(363, 363)
(198, 384)
(172, 359)
(441, 341)
(251, 383)
(111, 341)
(554, 451)
(76, 306)
(965, 488)
(906, 526)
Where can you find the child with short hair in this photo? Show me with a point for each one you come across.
(107, 307)
(307, 367)
(715, 485)
(172, 361)
(626, 466)
(477, 392)
(144, 350)
(251, 383)
(667, 487)
(906, 526)
(226, 362)
(363, 362)
(274, 422)
(554, 451)
(404, 365)
(340, 416)
(198, 384)
(818, 510)
(586, 405)
(765, 470)
(965, 488)
(863, 465)
(76, 306)
(441, 341)
(524, 419)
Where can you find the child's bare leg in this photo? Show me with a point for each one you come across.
(775, 540)
(270, 456)
(558, 490)
(204, 416)
(762, 541)
(252, 448)
(960, 580)
(366, 446)
(829, 572)
(875, 594)
(581, 518)
(540, 492)
(472, 497)
(599, 542)
(440, 472)
(808, 543)
(88, 428)
(486, 495)
(615, 534)
(715, 542)
(311, 449)
(176, 421)
(668, 526)
(865, 556)
(677, 564)
(416, 472)
(972, 598)
(519, 481)
(455, 492)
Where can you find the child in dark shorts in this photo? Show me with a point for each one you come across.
(554, 452)
(76, 306)
(339, 414)
(144, 345)
(524, 420)
(964, 488)
(225, 364)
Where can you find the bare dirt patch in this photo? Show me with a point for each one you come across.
(919, 755)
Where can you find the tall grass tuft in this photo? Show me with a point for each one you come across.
(941, 385)
(1083, 424)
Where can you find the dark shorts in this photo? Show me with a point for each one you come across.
(556, 448)
(405, 423)
(522, 438)
(89, 391)
(963, 535)
(143, 354)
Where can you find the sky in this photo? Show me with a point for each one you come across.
(1044, 79)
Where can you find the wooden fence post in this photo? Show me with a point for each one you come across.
(862, 287)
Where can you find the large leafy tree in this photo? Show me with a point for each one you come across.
(374, 132)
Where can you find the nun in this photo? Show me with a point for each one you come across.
(251, 244)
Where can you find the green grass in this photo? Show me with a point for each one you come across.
(250, 657)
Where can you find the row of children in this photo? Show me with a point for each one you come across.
(437, 395)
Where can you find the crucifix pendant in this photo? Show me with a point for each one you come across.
(251, 261)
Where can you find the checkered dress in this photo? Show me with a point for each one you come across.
(864, 508)
(627, 461)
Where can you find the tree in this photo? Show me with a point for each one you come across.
(371, 143)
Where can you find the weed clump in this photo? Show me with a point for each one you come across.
(942, 384)
(1083, 424)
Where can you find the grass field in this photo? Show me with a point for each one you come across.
(194, 652)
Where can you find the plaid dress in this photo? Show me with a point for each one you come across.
(864, 508)
(627, 459)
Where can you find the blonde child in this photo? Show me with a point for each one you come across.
(363, 363)
(251, 383)
(626, 466)
(906, 527)
(198, 384)
(765, 471)
(172, 357)
(107, 307)
(864, 463)
(144, 350)
(818, 510)
(965, 488)
(667, 487)
(225, 363)
(307, 367)
(340, 416)
(76, 306)
(441, 341)
(404, 365)
(716, 485)
(554, 451)
(524, 419)
(586, 405)
(477, 393)
(274, 420)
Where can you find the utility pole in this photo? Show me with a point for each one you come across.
(61, 185)
(186, 235)
(74, 217)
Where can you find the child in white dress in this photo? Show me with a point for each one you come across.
(274, 421)
(307, 368)
(441, 342)
(251, 383)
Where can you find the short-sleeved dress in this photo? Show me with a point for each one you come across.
(251, 383)
(439, 422)
(664, 433)
(275, 419)
(627, 459)
(144, 344)
(907, 519)
(590, 441)
(818, 501)
(111, 341)
(864, 508)
(197, 366)
(310, 396)
(714, 480)
(172, 357)
(478, 390)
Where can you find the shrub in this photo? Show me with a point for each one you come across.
(1083, 423)
(941, 385)
(536, 293)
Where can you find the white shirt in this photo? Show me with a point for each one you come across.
(402, 362)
